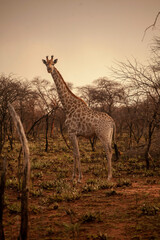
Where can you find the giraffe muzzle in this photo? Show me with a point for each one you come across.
(49, 70)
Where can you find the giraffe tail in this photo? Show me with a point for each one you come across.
(117, 153)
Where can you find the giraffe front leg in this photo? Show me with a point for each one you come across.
(74, 168)
(79, 169)
(76, 154)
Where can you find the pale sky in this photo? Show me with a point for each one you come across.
(87, 36)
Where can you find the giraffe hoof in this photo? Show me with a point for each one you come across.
(79, 179)
(109, 178)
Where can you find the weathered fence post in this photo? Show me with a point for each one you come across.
(2, 187)
(26, 174)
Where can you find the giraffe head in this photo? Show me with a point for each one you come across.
(50, 63)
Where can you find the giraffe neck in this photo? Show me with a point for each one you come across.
(67, 98)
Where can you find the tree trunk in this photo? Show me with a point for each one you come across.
(130, 135)
(52, 127)
(150, 133)
(1, 139)
(10, 135)
(92, 142)
(46, 147)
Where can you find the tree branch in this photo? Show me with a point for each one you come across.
(151, 26)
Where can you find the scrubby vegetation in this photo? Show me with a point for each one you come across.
(125, 208)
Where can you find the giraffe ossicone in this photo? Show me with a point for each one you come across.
(82, 120)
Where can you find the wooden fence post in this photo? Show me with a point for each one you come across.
(26, 174)
(2, 187)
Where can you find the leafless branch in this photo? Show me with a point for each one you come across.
(151, 26)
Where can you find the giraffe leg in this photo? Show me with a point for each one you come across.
(109, 162)
(74, 167)
(108, 150)
(76, 154)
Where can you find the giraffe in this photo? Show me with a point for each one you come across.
(82, 120)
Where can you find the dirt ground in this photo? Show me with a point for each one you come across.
(128, 207)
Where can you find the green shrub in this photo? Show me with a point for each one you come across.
(111, 193)
(12, 183)
(91, 217)
(36, 192)
(14, 208)
(99, 236)
(124, 183)
(149, 210)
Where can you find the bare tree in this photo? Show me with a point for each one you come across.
(144, 84)
(9, 91)
(85, 93)
(155, 49)
(106, 94)
(47, 102)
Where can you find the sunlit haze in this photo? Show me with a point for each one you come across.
(87, 36)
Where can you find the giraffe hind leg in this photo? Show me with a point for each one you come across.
(108, 150)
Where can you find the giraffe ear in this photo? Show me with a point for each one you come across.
(55, 61)
(44, 61)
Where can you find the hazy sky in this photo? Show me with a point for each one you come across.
(86, 36)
